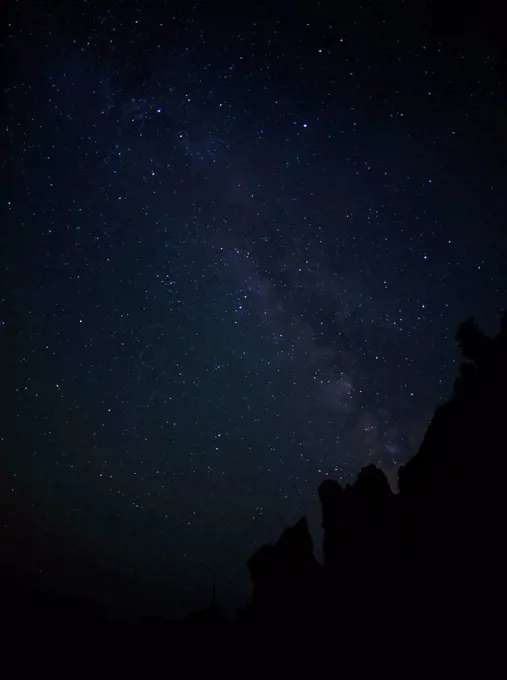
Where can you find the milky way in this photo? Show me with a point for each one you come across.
(236, 246)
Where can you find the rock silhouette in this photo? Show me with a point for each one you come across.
(433, 548)
(285, 577)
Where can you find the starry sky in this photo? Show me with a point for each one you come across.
(236, 242)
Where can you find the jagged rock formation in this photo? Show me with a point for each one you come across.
(434, 548)
(285, 577)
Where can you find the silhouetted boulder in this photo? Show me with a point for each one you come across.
(285, 576)
(474, 344)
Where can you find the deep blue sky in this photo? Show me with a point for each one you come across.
(236, 243)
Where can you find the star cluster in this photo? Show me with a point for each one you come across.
(236, 245)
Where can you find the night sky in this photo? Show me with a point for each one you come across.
(236, 243)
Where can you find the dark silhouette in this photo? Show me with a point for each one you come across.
(433, 549)
(285, 577)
